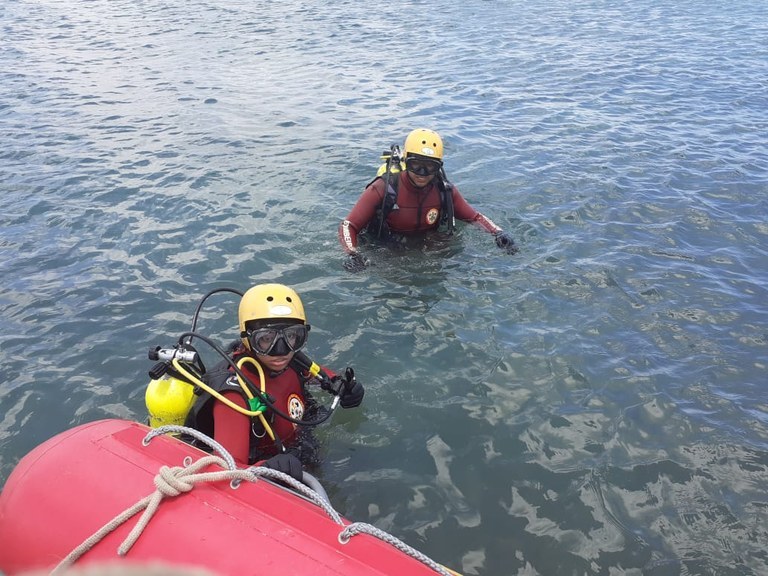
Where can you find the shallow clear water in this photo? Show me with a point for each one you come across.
(593, 405)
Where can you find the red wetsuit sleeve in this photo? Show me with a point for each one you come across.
(232, 429)
(362, 213)
(464, 211)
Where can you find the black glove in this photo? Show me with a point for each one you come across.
(351, 392)
(287, 464)
(504, 241)
(355, 262)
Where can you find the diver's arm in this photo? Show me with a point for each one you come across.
(359, 217)
(465, 212)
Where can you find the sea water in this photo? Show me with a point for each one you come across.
(594, 404)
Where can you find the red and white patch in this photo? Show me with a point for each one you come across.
(432, 215)
(295, 407)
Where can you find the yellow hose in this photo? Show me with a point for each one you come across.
(257, 413)
(262, 385)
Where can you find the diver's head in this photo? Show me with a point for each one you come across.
(272, 324)
(423, 156)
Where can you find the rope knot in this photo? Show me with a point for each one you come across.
(172, 482)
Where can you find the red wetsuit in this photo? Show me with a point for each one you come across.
(418, 211)
(234, 431)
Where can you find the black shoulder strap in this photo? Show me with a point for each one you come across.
(390, 194)
(378, 226)
(447, 218)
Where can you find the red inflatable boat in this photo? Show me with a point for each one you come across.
(71, 486)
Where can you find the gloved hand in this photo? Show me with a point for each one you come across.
(355, 262)
(351, 391)
(287, 464)
(505, 241)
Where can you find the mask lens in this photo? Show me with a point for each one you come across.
(265, 340)
(295, 336)
(422, 167)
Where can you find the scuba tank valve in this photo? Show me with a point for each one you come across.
(391, 166)
(392, 159)
(168, 396)
(168, 354)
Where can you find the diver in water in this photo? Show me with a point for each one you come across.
(273, 331)
(409, 196)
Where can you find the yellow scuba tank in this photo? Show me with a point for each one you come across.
(168, 401)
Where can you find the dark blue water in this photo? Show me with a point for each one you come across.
(593, 405)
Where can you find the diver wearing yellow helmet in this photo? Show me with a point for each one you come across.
(273, 331)
(410, 195)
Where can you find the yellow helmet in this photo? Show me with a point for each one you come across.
(425, 143)
(274, 302)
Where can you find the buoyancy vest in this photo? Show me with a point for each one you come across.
(222, 378)
(389, 173)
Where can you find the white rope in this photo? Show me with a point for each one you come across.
(169, 482)
(362, 528)
(173, 429)
(180, 480)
